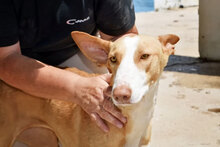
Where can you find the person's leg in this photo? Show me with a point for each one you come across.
(81, 62)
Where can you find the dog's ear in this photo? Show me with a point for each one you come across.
(168, 41)
(94, 48)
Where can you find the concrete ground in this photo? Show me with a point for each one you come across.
(187, 113)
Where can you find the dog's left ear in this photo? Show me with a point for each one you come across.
(168, 41)
(94, 48)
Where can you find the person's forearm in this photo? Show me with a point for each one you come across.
(113, 38)
(36, 78)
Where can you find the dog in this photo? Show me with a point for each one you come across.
(136, 63)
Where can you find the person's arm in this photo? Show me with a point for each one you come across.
(34, 77)
(113, 38)
(41, 80)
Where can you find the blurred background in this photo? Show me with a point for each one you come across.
(187, 113)
(144, 5)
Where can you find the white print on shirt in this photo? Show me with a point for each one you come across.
(75, 21)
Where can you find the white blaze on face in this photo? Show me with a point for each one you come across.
(129, 74)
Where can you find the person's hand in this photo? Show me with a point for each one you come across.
(90, 96)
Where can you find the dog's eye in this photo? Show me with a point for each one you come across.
(144, 56)
(113, 59)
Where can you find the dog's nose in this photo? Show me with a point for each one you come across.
(122, 94)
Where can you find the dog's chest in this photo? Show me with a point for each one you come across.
(139, 118)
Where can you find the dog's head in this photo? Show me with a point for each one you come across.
(135, 61)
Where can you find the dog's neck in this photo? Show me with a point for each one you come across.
(139, 116)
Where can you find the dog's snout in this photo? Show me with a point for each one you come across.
(122, 94)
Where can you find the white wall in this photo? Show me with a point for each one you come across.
(165, 4)
(209, 29)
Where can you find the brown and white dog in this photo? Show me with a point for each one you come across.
(136, 63)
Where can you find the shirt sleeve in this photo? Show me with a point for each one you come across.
(8, 24)
(115, 17)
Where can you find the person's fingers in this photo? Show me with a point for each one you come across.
(110, 118)
(106, 77)
(110, 107)
(100, 123)
(108, 91)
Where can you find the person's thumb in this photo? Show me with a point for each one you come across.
(106, 77)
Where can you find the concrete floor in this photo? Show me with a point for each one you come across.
(187, 113)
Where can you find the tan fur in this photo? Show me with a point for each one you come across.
(73, 127)
(117, 51)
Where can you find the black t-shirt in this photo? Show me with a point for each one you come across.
(43, 27)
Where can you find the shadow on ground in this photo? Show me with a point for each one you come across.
(193, 65)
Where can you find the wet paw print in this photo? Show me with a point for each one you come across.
(198, 90)
(180, 96)
(207, 92)
(195, 107)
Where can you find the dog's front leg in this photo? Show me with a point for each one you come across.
(6, 136)
(38, 137)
